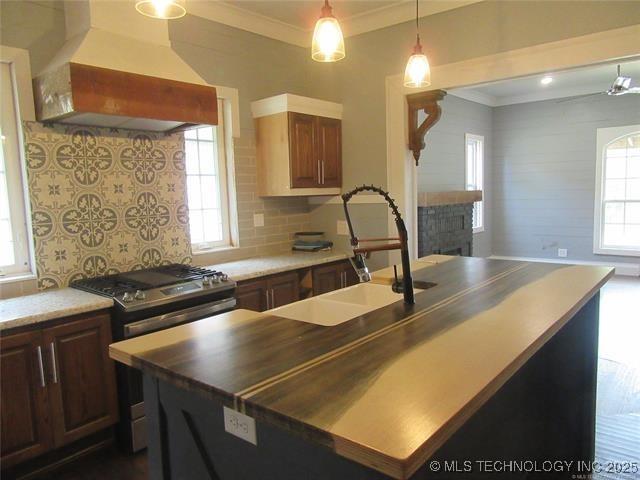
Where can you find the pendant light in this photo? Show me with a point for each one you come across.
(328, 42)
(417, 74)
(162, 9)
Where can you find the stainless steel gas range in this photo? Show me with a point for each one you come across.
(149, 300)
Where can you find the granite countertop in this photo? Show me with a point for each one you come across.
(49, 305)
(482, 321)
(52, 304)
(260, 266)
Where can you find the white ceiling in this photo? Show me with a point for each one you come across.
(292, 21)
(566, 83)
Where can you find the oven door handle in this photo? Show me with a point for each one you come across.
(170, 319)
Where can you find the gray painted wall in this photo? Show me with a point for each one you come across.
(259, 67)
(544, 158)
(473, 31)
(442, 163)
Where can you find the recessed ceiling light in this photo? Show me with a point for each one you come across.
(546, 80)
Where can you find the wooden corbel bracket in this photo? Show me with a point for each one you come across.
(428, 102)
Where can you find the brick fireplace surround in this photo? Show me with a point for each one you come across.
(445, 222)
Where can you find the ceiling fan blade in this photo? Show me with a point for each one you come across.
(633, 90)
(577, 97)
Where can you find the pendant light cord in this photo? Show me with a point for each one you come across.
(417, 22)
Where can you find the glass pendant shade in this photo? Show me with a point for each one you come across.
(417, 74)
(328, 42)
(163, 9)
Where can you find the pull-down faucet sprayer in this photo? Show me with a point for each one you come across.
(406, 287)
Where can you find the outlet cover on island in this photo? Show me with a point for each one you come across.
(240, 425)
(258, 219)
(562, 252)
(342, 227)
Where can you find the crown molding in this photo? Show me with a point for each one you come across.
(396, 13)
(238, 17)
(475, 96)
(243, 19)
(533, 96)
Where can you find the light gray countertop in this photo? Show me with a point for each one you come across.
(52, 304)
(260, 266)
(48, 305)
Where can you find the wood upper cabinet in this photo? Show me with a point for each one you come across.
(57, 386)
(298, 153)
(304, 161)
(82, 390)
(25, 410)
(329, 147)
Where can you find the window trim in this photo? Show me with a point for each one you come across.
(604, 137)
(479, 138)
(226, 187)
(20, 71)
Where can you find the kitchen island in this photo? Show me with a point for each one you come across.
(495, 362)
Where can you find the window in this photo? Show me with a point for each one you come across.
(14, 239)
(474, 175)
(617, 209)
(207, 189)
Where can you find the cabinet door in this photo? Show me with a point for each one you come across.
(82, 389)
(303, 157)
(329, 138)
(284, 289)
(350, 275)
(326, 278)
(252, 295)
(25, 410)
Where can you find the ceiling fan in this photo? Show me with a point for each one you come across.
(620, 86)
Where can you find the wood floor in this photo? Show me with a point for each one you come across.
(618, 421)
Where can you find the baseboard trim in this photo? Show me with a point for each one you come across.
(627, 269)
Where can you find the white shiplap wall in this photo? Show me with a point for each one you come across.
(544, 157)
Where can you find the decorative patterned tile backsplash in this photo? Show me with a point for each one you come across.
(104, 201)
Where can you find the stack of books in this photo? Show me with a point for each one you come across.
(311, 242)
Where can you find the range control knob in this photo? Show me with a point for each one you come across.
(215, 279)
(127, 297)
(139, 295)
(206, 280)
(224, 277)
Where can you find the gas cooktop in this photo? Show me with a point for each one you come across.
(149, 287)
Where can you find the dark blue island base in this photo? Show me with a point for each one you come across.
(545, 412)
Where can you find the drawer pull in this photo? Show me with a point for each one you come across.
(54, 366)
(40, 366)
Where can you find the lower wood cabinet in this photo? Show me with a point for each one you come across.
(252, 295)
(285, 289)
(57, 386)
(274, 291)
(268, 292)
(25, 406)
(327, 278)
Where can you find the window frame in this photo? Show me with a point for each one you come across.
(604, 137)
(20, 214)
(225, 188)
(467, 186)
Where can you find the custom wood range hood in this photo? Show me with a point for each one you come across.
(117, 69)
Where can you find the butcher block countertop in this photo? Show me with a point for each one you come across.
(386, 389)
